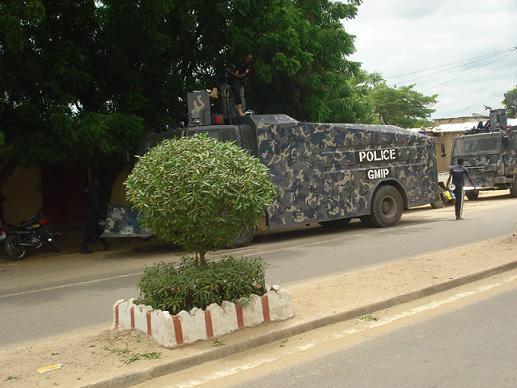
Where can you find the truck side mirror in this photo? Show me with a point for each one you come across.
(442, 149)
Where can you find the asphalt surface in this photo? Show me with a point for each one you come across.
(470, 347)
(35, 308)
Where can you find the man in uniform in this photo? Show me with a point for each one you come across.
(458, 173)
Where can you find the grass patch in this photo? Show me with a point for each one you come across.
(368, 317)
(217, 342)
(128, 357)
(133, 357)
(174, 287)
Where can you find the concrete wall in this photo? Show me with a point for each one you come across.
(443, 162)
(22, 194)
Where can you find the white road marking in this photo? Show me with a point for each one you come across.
(303, 348)
(313, 243)
(87, 282)
(426, 307)
(223, 373)
(382, 322)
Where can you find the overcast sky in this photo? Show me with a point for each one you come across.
(396, 37)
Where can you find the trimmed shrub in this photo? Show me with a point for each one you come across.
(175, 287)
(198, 192)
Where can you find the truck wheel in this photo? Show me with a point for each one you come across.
(243, 239)
(332, 223)
(438, 202)
(513, 189)
(472, 195)
(386, 207)
(367, 221)
(13, 250)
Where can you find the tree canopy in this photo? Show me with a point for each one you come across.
(198, 192)
(81, 80)
(402, 106)
(510, 102)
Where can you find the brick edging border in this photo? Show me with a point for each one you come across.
(216, 320)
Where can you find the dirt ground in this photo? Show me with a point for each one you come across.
(97, 354)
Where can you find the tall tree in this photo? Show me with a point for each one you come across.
(55, 105)
(301, 47)
(402, 106)
(510, 102)
(81, 80)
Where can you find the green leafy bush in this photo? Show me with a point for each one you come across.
(198, 192)
(175, 287)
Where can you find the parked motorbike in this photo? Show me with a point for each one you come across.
(31, 234)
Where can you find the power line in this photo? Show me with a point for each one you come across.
(466, 73)
(453, 67)
(453, 63)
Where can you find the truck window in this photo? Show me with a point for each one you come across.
(482, 145)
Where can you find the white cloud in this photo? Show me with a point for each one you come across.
(395, 37)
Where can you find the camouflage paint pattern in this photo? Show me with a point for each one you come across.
(317, 173)
(491, 169)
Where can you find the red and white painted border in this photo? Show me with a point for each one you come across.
(186, 327)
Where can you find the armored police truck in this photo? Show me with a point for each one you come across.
(330, 173)
(490, 155)
(327, 173)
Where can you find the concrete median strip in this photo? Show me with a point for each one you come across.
(316, 303)
(215, 321)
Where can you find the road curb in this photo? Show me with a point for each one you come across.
(140, 376)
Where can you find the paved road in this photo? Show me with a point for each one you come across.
(470, 347)
(43, 298)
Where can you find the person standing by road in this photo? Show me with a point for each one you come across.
(457, 174)
(238, 75)
(93, 215)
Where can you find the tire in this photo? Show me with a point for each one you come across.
(53, 246)
(335, 223)
(367, 221)
(439, 202)
(386, 207)
(50, 240)
(244, 239)
(513, 189)
(13, 250)
(472, 195)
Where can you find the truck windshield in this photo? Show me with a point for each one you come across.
(477, 145)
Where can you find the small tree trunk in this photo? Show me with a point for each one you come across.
(5, 173)
(202, 258)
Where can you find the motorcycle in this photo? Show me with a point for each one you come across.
(31, 234)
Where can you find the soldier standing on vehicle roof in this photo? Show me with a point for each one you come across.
(458, 173)
(234, 77)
